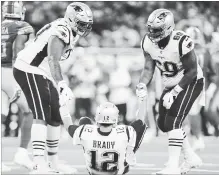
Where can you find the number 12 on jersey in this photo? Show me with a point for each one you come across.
(108, 161)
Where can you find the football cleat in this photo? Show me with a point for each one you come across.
(169, 170)
(190, 161)
(43, 169)
(62, 168)
(5, 168)
(22, 158)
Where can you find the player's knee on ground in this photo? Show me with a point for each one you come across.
(160, 124)
(85, 121)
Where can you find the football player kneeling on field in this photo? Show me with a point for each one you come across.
(108, 148)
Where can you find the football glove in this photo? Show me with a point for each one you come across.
(65, 93)
(169, 97)
(141, 91)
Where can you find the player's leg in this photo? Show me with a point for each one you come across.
(173, 123)
(36, 91)
(53, 134)
(180, 110)
(21, 157)
(195, 121)
(53, 126)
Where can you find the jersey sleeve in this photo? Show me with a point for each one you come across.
(144, 43)
(77, 135)
(186, 44)
(25, 29)
(63, 33)
(132, 137)
(140, 129)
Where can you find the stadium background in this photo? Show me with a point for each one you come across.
(108, 61)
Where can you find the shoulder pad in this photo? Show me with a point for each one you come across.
(63, 32)
(185, 43)
(24, 28)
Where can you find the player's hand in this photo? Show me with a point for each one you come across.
(141, 91)
(65, 93)
(169, 97)
(16, 94)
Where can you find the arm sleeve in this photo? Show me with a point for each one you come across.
(77, 135)
(63, 33)
(25, 29)
(185, 45)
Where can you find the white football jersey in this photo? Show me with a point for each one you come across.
(105, 154)
(32, 58)
(168, 59)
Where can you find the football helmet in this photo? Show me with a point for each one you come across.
(13, 9)
(80, 18)
(107, 113)
(196, 35)
(160, 24)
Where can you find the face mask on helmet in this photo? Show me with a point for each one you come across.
(155, 34)
(160, 25)
(80, 18)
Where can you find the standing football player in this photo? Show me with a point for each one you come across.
(15, 33)
(172, 52)
(205, 61)
(37, 71)
(108, 148)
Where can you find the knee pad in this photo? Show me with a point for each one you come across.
(160, 124)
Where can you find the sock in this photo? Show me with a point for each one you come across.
(52, 142)
(186, 147)
(38, 136)
(26, 130)
(174, 148)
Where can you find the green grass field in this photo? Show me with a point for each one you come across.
(150, 157)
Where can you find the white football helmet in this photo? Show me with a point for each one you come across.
(160, 24)
(80, 18)
(13, 10)
(196, 35)
(107, 113)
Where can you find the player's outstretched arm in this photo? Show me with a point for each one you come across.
(141, 109)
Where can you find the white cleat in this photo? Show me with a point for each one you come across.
(22, 158)
(43, 169)
(193, 161)
(63, 168)
(5, 168)
(169, 170)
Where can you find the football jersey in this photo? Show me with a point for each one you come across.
(10, 30)
(168, 59)
(105, 154)
(33, 59)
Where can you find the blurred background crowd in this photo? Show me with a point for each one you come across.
(108, 62)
